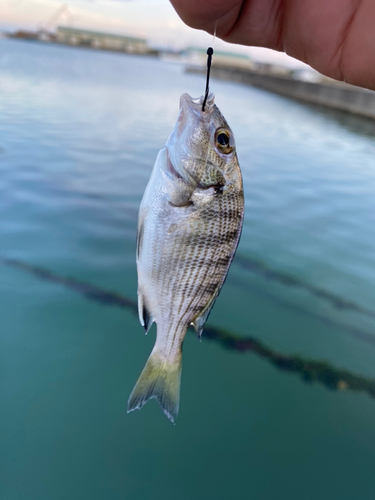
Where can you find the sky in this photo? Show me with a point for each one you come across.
(155, 20)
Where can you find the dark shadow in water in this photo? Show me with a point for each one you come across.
(89, 291)
(310, 371)
(250, 264)
(351, 330)
(258, 267)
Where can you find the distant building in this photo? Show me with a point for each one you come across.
(24, 35)
(198, 57)
(105, 41)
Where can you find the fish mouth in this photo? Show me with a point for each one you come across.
(191, 110)
(189, 119)
(194, 104)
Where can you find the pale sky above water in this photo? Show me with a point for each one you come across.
(154, 20)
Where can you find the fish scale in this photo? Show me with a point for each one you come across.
(189, 226)
(191, 278)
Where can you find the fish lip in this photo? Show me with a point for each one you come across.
(189, 104)
(178, 143)
(191, 109)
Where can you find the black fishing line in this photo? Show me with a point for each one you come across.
(210, 51)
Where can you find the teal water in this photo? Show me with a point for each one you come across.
(79, 133)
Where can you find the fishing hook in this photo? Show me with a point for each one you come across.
(210, 51)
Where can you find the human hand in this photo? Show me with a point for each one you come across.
(335, 37)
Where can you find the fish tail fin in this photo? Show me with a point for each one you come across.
(159, 379)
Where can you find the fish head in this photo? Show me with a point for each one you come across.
(201, 148)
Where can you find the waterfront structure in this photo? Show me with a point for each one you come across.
(104, 41)
(328, 93)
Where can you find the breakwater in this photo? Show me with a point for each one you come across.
(336, 95)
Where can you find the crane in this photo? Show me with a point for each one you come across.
(45, 32)
(64, 8)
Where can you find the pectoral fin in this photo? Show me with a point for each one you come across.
(179, 194)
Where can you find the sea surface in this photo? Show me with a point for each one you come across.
(278, 400)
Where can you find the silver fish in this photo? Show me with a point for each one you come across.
(189, 225)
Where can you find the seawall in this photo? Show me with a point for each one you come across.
(338, 96)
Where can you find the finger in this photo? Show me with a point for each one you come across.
(204, 14)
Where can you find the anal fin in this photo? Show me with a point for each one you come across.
(200, 320)
(145, 317)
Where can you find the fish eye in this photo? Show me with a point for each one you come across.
(223, 141)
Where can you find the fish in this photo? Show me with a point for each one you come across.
(189, 225)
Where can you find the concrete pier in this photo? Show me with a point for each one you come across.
(336, 95)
